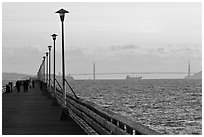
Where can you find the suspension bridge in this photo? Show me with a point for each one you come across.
(119, 73)
(94, 73)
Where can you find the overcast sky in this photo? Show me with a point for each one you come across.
(118, 37)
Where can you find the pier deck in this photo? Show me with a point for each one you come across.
(32, 114)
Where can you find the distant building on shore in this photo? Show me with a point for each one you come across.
(133, 77)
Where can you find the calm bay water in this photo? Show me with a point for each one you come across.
(168, 106)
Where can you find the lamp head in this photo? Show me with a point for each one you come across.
(54, 36)
(62, 13)
(46, 53)
(49, 47)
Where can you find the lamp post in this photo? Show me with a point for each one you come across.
(47, 67)
(54, 38)
(44, 68)
(41, 71)
(54, 100)
(49, 48)
(42, 84)
(64, 115)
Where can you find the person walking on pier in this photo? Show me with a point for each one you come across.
(25, 85)
(33, 83)
(18, 85)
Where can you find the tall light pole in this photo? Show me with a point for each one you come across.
(49, 48)
(47, 68)
(54, 100)
(54, 38)
(41, 71)
(44, 68)
(64, 115)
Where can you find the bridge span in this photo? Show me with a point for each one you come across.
(119, 73)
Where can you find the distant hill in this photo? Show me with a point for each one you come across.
(195, 76)
(14, 76)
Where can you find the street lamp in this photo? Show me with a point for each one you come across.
(49, 48)
(54, 38)
(41, 71)
(44, 68)
(54, 100)
(64, 115)
(47, 67)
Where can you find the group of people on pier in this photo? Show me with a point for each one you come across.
(25, 84)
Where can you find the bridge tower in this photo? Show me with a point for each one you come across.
(189, 68)
(94, 72)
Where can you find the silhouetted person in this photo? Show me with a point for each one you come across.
(11, 86)
(7, 88)
(30, 84)
(18, 85)
(25, 85)
(33, 83)
(41, 85)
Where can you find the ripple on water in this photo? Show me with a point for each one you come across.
(169, 106)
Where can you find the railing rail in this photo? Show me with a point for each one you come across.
(103, 121)
(106, 120)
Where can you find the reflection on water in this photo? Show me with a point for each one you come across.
(168, 106)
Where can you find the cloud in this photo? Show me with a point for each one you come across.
(161, 50)
(124, 47)
(74, 53)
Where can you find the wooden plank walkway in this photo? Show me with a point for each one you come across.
(32, 114)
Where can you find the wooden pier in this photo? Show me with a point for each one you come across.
(32, 114)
